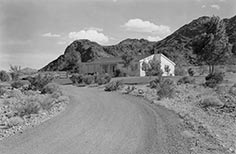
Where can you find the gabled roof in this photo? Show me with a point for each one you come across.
(159, 55)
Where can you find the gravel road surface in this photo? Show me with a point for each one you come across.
(97, 122)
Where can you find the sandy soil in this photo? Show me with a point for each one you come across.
(97, 122)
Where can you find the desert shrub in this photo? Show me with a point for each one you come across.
(103, 79)
(113, 86)
(191, 72)
(4, 76)
(38, 82)
(50, 88)
(77, 78)
(2, 91)
(185, 80)
(20, 84)
(232, 90)
(28, 108)
(166, 88)
(47, 103)
(206, 103)
(179, 71)
(14, 121)
(154, 83)
(212, 80)
(88, 79)
(16, 93)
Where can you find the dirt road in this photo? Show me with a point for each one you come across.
(98, 122)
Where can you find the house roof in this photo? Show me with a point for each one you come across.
(158, 56)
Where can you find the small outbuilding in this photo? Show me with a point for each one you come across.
(164, 61)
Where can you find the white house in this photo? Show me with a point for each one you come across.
(164, 62)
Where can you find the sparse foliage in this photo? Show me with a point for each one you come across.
(167, 69)
(15, 72)
(212, 80)
(191, 72)
(165, 88)
(113, 86)
(212, 48)
(152, 68)
(4, 76)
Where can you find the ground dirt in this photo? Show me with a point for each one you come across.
(98, 122)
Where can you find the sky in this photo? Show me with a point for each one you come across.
(35, 32)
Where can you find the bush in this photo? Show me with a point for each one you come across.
(179, 71)
(191, 72)
(232, 90)
(185, 80)
(50, 88)
(20, 84)
(154, 83)
(209, 102)
(113, 86)
(103, 79)
(47, 103)
(165, 88)
(88, 79)
(4, 77)
(14, 121)
(212, 80)
(30, 107)
(2, 91)
(38, 82)
(77, 78)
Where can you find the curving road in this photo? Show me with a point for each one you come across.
(98, 122)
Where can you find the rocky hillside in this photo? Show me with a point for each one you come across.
(176, 46)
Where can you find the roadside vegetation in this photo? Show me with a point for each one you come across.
(26, 103)
(205, 99)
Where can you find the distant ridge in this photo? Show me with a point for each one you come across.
(176, 46)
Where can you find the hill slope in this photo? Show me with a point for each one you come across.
(176, 46)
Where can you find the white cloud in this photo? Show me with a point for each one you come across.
(114, 0)
(50, 35)
(203, 6)
(154, 38)
(215, 6)
(222, 0)
(92, 35)
(139, 25)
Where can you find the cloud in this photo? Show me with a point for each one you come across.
(215, 6)
(222, 0)
(203, 6)
(50, 35)
(92, 35)
(154, 38)
(139, 25)
(114, 0)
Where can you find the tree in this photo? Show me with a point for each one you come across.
(167, 69)
(127, 58)
(212, 48)
(15, 71)
(152, 68)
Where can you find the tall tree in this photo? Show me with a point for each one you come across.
(212, 48)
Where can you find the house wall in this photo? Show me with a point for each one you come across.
(147, 59)
(164, 61)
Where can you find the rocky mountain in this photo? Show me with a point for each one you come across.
(176, 46)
